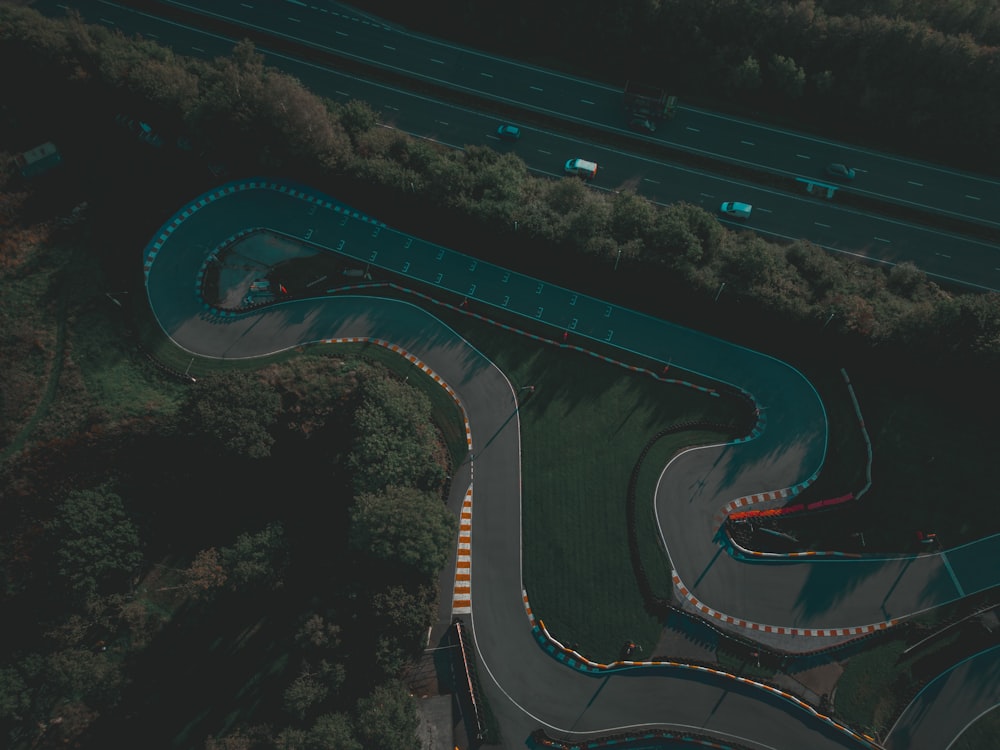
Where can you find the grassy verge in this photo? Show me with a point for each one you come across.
(866, 693)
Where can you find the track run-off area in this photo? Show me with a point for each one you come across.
(530, 680)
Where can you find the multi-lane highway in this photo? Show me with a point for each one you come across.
(808, 598)
(778, 214)
(346, 31)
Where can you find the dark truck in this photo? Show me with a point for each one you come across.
(648, 102)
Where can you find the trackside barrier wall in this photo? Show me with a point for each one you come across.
(540, 739)
(470, 683)
(574, 660)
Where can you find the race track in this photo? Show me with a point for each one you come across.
(809, 600)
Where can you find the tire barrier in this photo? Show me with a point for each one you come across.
(561, 343)
(574, 660)
(864, 434)
(642, 740)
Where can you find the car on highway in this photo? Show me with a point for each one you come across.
(642, 125)
(840, 170)
(736, 210)
(508, 132)
(581, 168)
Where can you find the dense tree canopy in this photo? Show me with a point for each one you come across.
(387, 719)
(236, 411)
(98, 545)
(404, 526)
(395, 441)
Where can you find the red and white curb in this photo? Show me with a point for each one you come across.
(775, 629)
(461, 598)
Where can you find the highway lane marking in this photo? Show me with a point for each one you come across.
(536, 88)
(693, 130)
(547, 153)
(646, 179)
(247, 5)
(342, 93)
(803, 156)
(943, 255)
(764, 210)
(586, 101)
(748, 143)
(913, 182)
(951, 572)
(441, 122)
(292, 18)
(439, 62)
(882, 239)
(821, 224)
(108, 21)
(386, 46)
(341, 33)
(973, 197)
(198, 49)
(486, 75)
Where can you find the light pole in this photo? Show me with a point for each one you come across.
(720, 291)
(618, 259)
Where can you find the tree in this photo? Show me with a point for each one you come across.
(632, 217)
(745, 77)
(396, 442)
(98, 546)
(387, 719)
(402, 616)
(257, 560)
(235, 411)
(306, 691)
(357, 117)
(319, 633)
(206, 573)
(15, 698)
(333, 732)
(789, 79)
(403, 526)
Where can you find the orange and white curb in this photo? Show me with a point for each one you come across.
(713, 614)
(461, 598)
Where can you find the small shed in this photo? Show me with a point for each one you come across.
(38, 160)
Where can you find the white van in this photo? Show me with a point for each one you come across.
(581, 168)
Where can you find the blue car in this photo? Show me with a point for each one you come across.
(509, 133)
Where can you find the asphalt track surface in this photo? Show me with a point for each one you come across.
(528, 688)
